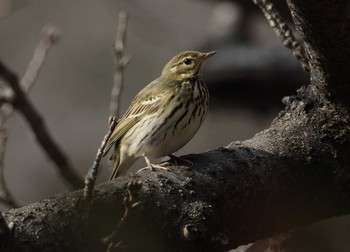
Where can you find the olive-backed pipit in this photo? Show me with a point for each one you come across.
(164, 115)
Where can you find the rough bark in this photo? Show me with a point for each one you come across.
(325, 27)
(291, 174)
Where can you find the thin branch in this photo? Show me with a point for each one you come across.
(23, 104)
(283, 31)
(4, 98)
(6, 197)
(121, 62)
(48, 36)
(91, 177)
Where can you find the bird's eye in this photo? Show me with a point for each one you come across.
(187, 61)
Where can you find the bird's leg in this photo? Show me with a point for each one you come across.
(175, 160)
(153, 166)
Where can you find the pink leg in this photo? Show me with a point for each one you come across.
(153, 166)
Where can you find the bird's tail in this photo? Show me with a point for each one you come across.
(122, 163)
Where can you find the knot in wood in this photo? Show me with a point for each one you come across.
(190, 232)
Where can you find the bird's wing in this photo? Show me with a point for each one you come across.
(145, 103)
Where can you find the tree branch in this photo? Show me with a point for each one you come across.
(22, 104)
(121, 62)
(283, 31)
(5, 195)
(229, 196)
(324, 27)
(49, 35)
(91, 176)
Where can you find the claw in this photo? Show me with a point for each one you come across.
(154, 166)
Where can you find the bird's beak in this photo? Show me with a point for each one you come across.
(208, 55)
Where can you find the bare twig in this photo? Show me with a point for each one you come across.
(5, 98)
(20, 101)
(132, 205)
(49, 35)
(121, 62)
(283, 31)
(6, 197)
(23, 104)
(91, 177)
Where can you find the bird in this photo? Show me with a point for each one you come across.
(163, 116)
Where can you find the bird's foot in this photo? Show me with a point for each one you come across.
(153, 167)
(158, 166)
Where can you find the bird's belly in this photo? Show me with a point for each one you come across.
(173, 140)
(175, 134)
(157, 138)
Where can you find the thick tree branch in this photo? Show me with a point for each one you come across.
(286, 176)
(325, 28)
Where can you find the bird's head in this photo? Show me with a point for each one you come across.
(185, 65)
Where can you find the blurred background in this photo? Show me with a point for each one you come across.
(248, 77)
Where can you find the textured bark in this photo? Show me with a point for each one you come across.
(294, 173)
(325, 27)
